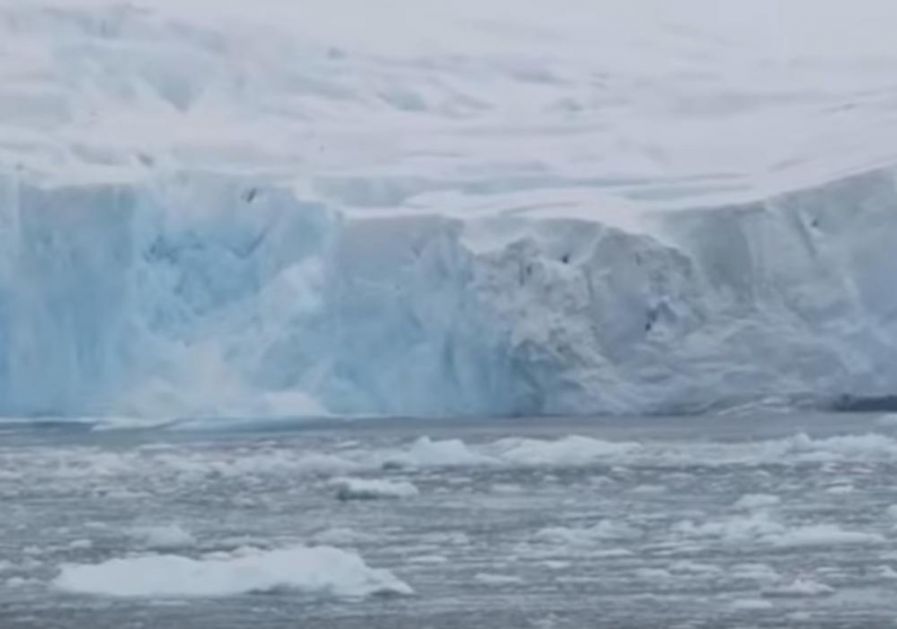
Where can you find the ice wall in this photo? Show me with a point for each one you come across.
(133, 297)
(214, 207)
(200, 294)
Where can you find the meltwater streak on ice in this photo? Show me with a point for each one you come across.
(209, 211)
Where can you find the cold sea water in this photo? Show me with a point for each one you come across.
(754, 520)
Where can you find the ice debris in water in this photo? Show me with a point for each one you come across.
(80, 544)
(823, 535)
(749, 502)
(751, 604)
(318, 570)
(761, 527)
(426, 452)
(488, 578)
(801, 586)
(572, 450)
(586, 536)
(372, 488)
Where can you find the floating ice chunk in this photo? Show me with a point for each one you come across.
(80, 544)
(192, 465)
(611, 553)
(9, 475)
(428, 453)
(164, 536)
(428, 559)
(750, 604)
(892, 512)
(760, 527)
(822, 535)
(488, 578)
(749, 502)
(19, 582)
(604, 530)
(887, 572)
(573, 450)
(648, 489)
(506, 488)
(652, 574)
(372, 489)
(800, 587)
(752, 526)
(693, 567)
(112, 423)
(754, 572)
(556, 564)
(869, 445)
(319, 570)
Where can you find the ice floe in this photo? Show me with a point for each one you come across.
(318, 570)
(372, 488)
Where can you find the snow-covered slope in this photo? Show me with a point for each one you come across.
(274, 208)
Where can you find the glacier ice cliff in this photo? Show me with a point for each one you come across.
(203, 294)
(223, 208)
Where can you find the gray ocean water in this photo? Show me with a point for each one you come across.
(763, 520)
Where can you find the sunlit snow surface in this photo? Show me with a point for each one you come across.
(374, 105)
(752, 522)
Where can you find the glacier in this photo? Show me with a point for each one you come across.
(288, 212)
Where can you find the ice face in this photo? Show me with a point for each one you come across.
(105, 287)
(210, 295)
(241, 212)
